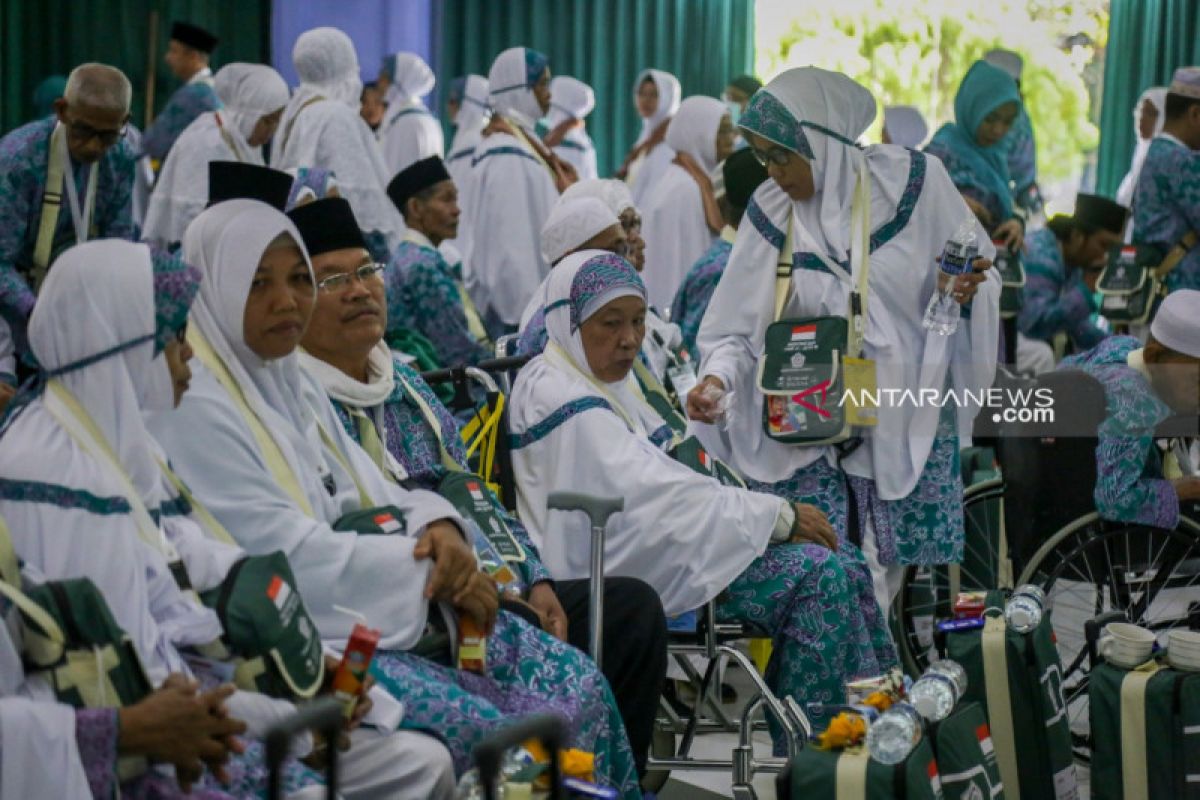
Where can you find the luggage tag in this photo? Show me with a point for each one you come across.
(861, 390)
(683, 378)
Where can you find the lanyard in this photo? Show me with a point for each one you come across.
(82, 220)
(227, 138)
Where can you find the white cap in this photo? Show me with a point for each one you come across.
(1006, 60)
(571, 223)
(1177, 323)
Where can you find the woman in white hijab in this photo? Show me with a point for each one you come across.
(1149, 116)
(905, 476)
(472, 117)
(252, 98)
(514, 183)
(409, 132)
(904, 125)
(580, 424)
(276, 468)
(680, 212)
(321, 127)
(572, 101)
(656, 96)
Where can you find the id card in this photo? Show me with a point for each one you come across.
(683, 378)
(862, 408)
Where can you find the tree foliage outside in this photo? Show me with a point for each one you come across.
(915, 52)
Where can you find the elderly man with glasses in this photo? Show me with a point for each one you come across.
(64, 179)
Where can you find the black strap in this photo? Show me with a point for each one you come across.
(854, 530)
(900, 779)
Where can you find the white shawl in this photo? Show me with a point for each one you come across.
(683, 533)
(409, 132)
(226, 470)
(674, 225)
(571, 98)
(902, 279)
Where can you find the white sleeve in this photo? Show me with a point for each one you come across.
(39, 756)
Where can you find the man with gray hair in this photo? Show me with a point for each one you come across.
(63, 180)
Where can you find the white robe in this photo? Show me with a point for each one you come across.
(409, 134)
(331, 135)
(676, 233)
(580, 154)
(510, 198)
(181, 192)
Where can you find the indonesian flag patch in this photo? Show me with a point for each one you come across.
(705, 460)
(804, 333)
(387, 523)
(935, 782)
(985, 740)
(279, 592)
(475, 491)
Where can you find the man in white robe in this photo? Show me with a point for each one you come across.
(409, 132)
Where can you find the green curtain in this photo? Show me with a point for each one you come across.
(38, 39)
(1147, 40)
(605, 43)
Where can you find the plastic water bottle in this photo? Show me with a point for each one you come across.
(935, 693)
(1023, 611)
(894, 735)
(942, 313)
(469, 786)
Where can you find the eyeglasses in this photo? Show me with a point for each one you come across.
(82, 132)
(341, 281)
(779, 156)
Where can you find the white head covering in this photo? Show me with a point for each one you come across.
(1177, 323)
(100, 295)
(249, 92)
(1157, 97)
(327, 64)
(510, 84)
(412, 79)
(473, 110)
(570, 98)
(693, 129)
(905, 126)
(669, 95)
(613, 193)
(1007, 60)
(573, 222)
(226, 243)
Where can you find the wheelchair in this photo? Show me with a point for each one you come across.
(1049, 529)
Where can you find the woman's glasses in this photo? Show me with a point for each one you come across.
(779, 156)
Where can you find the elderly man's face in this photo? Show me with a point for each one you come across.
(91, 130)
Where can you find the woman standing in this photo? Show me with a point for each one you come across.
(656, 95)
(905, 475)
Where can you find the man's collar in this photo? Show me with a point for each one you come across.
(418, 238)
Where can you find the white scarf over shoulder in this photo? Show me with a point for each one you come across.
(902, 279)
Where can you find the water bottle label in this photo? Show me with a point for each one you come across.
(955, 625)
(957, 258)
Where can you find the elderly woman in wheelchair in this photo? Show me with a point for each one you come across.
(580, 423)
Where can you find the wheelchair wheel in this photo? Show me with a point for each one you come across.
(928, 592)
(1092, 567)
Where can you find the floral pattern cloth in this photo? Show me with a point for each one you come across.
(962, 175)
(691, 301)
(1022, 159)
(1130, 486)
(527, 671)
(24, 159)
(188, 102)
(423, 295)
(414, 444)
(1055, 298)
(927, 526)
(1166, 205)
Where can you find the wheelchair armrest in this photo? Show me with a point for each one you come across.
(323, 715)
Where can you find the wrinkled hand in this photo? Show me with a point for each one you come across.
(177, 726)
(544, 601)
(967, 284)
(453, 560)
(1012, 233)
(700, 407)
(813, 527)
(479, 599)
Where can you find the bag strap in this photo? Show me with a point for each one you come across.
(10, 567)
(850, 779)
(1176, 255)
(277, 464)
(207, 521)
(287, 133)
(51, 206)
(228, 139)
(10, 587)
(1134, 777)
(432, 421)
(364, 497)
(999, 701)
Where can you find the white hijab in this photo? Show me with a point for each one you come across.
(693, 129)
(412, 79)
(570, 98)
(669, 96)
(510, 85)
(473, 110)
(613, 193)
(1157, 97)
(905, 126)
(817, 111)
(248, 93)
(327, 65)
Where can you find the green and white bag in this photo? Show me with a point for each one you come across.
(802, 372)
(1145, 733)
(1018, 680)
(966, 756)
(1130, 285)
(1011, 269)
(273, 641)
(852, 775)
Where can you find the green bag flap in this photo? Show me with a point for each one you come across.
(377, 519)
(692, 454)
(1010, 267)
(467, 492)
(92, 640)
(801, 377)
(966, 756)
(264, 618)
(813, 774)
(1128, 269)
(1187, 724)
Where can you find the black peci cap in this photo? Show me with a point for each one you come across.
(327, 224)
(231, 180)
(193, 36)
